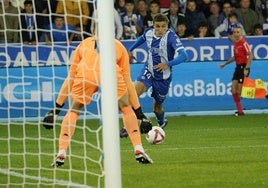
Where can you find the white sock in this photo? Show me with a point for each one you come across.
(62, 152)
(139, 147)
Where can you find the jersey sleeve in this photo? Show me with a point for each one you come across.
(179, 49)
(175, 42)
(247, 48)
(122, 58)
(141, 39)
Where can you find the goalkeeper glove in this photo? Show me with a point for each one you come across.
(146, 124)
(48, 121)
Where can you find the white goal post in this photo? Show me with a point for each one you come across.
(30, 79)
(111, 143)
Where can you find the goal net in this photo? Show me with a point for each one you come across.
(34, 61)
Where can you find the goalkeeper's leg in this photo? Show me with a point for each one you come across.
(67, 131)
(144, 122)
(131, 125)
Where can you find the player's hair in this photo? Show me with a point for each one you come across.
(160, 18)
(238, 27)
(233, 14)
(130, 1)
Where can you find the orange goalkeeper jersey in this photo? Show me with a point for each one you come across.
(84, 74)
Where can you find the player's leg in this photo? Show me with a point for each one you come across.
(237, 81)
(160, 89)
(160, 114)
(144, 122)
(131, 125)
(140, 87)
(82, 92)
(236, 97)
(130, 120)
(67, 130)
(135, 90)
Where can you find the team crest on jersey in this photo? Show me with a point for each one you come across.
(178, 42)
(163, 43)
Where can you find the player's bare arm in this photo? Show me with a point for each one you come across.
(226, 62)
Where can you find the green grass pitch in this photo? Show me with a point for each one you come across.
(199, 151)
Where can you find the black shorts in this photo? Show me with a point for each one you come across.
(239, 73)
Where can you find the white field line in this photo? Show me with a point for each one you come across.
(57, 182)
(201, 148)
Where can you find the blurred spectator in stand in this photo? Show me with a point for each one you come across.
(117, 24)
(174, 15)
(258, 6)
(119, 5)
(182, 4)
(193, 18)
(9, 23)
(258, 30)
(77, 13)
(17, 4)
(265, 18)
(228, 25)
(164, 5)
(205, 7)
(154, 9)
(142, 9)
(181, 31)
(248, 17)
(132, 25)
(29, 24)
(213, 18)
(203, 30)
(44, 10)
(226, 10)
(235, 4)
(59, 31)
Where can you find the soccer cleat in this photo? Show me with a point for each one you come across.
(164, 124)
(239, 113)
(143, 158)
(123, 133)
(59, 161)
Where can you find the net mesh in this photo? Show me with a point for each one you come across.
(31, 74)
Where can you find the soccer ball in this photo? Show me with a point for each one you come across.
(156, 135)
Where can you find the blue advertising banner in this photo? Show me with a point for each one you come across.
(211, 49)
(207, 49)
(31, 91)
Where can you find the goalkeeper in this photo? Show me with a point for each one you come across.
(144, 122)
(83, 81)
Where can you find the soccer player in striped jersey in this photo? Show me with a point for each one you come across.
(242, 57)
(165, 50)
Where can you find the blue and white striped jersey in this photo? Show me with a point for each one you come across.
(161, 49)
